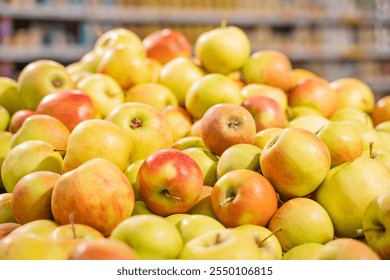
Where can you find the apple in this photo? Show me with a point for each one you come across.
(381, 110)
(175, 219)
(169, 181)
(151, 236)
(7, 228)
(40, 78)
(375, 225)
(178, 75)
(89, 61)
(6, 214)
(103, 249)
(304, 165)
(148, 128)
(179, 120)
(140, 208)
(98, 139)
(346, 249)
(343, 142)
(352, 114)
(383, 127)
(154, 69)
(42, 127)
(189, 142)
(195, 128)
(104, 92)
(367, 134)
(243, 197)
(166, 44)
(30, 247)
(41, 227)
(18, 118)
(207, 162)
(223, 244)
(353, 93)
(30, 156)
(9, 95)
(266, 112)
(132, 173)
(380, 155)
(302, 73)
(305, 251)
(315, 93)
(269, 67)
(255, 89)
(203, 206)
(211, 90)
(125, 66)
(301, 220)
(263, 136)
(310, 123)
(239, 156)
(153, 94)
(223, 49)
(5, 147)
(224, 125)
(339, 196)
(302, 110)
(196, 224)
(97, 192)
(31, 197)
(268, 244)
(4, 118)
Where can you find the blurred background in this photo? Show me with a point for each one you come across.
(333, 38)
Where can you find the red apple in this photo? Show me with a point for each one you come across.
(381, 111)
(169, 181)
(166, 44)
(266, 112)
(18, 118)
(69, 106)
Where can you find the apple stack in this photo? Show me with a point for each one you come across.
(218, 150)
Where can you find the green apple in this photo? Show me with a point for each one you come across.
(45, 128)
(266, 241)
(207, 162)
(31, 197)
(304, 165)
(302, 110)
(301, 220)
(239, 156)
(41, 227)
(203, 206)
(225, 125)
(346, 249)
(344, 143)
(104, 91)
(195, 128)
(153, 94)
(90, 60)
(30, 247)
(195, 225)
(305, 251)
(151, 236)
(176, 218)
(189, 142)
(310, 123)
(380, 155)
(210, 90)
(40, 78)
(376, 222)
(148, 128)
(223, 244)
(179, 120)
(339, 196)
(9, 95)
(140, 208)
(6, 214)
(178, 75)
(256, 89)
(263, 136)
(131, 174)
(352, 114)
(98, 139)
(223, 49)
(367, 134)
(30, 156)
(97, 193)
(5, 147)
(383, 127)
(4, 118)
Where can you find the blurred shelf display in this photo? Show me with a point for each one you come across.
(334, 37)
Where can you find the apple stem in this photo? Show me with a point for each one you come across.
(135, 123)
(218, 239)
(57, 83)
(59, 150)
(361, 230)
(227, 200)
(224, 22)
(259, 243)
(71, 220)
(371, 150)
(171, 196)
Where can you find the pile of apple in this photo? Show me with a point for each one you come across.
(156, 149)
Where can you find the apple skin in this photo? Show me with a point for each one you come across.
(30, 156)
(224, 125)
(311, 123)
(189, 142)
(5, 147)
(169, 181)
(178, 75)
(305, 251)
(7, 228)
(243, 197)
(266, 112)
(210, 90)
(103, 249)
(179, 120)
(145, 124)
(144, 234)
(203, 206)
(31, 197)
(97, 192)
(140, 208)
(40, 78)
(166, 44)
(222, 49)
(383, 127)
(98, 139)
(263, 136)
(346, 249)
(381, 110)
(9, 95)
(4, 118)
(349, 114)
(18, 118)
(302, 110)
(131, 174)
(41, 227)
(6, 213)
(281, 162)
(301, 220)
(301, 73)
(255, 89)
(376, 222)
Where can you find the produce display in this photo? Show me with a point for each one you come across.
(157, 149)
